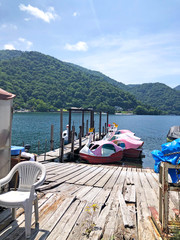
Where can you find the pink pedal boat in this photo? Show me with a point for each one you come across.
(101, 152)
(113, 147)
(131, 144)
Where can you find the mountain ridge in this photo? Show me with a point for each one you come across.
(42, 82)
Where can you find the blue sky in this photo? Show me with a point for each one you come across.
(131, 41)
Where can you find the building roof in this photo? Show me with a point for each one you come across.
(5, 95)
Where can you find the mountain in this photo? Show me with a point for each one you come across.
(177, 88)
(157, 95)
(43, 83)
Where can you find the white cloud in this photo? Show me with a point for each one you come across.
(9, 47)
(79, 46)
(45, 16)
(8, 26)
(75, 14)
(140, 59)
(25, 44)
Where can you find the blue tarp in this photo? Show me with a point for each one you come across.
(170, 153)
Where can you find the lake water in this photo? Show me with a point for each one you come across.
(33, 127)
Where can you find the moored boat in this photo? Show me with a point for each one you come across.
(101, 151)
(131, 144)
(173, 134)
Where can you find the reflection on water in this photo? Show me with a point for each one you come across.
(33, 127)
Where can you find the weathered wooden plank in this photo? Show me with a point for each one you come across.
(82, 175)
(47, 225)
(102, 197)
(61, 224)
(105, 178)
(96, 178)
(83, 191)
(110, 183)
(105, 215)
(91, 194)
(126, 215)
(145, 229)
(89, 176)
(72, 170)
(130, 193)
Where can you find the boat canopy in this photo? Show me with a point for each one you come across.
(174, 132)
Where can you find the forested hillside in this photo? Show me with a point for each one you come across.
(157, 95)
(43, 83)
(177, 88)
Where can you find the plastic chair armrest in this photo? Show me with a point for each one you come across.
(6, 180)
(40, 181)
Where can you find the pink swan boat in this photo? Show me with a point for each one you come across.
(102, 151)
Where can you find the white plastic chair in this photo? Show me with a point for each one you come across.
(25, 194)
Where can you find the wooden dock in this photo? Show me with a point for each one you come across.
(120, 197)
(54, 154)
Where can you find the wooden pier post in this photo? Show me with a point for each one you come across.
(61, 126)
(107, 121)
(61, 150)
(80, 137)
(45, 150)
(100, 125)
(52, 137)
(82, 130)
(92, 119)
(69, 129)
(87, 128)
(38, 146)
(105, 128)
(72, 141)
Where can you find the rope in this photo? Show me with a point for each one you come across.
(168, 154)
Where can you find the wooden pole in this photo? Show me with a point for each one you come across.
(61, 126)
(87, 128)
(105, 128)
(52, 137)
(80, 137)
(72, 141)
(99, 125)
(69, 129)
(82, 123)
(38, 146)
(107, 121)
(45, 150)
(61, 154)
(92, 119)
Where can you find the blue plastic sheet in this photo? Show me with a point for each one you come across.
(170, 153)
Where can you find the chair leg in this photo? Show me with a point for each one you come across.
(13, 214)
(36, 210)
(28, 216)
